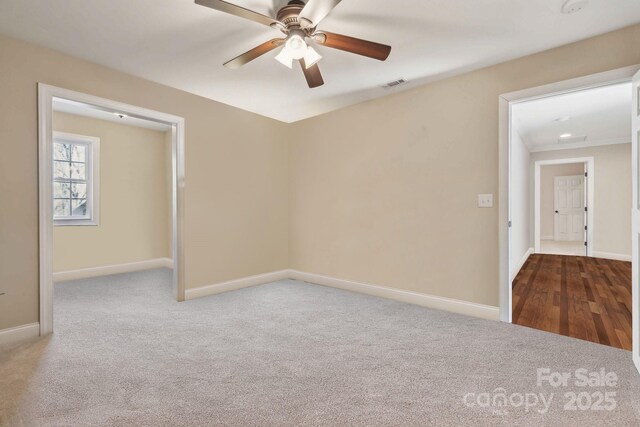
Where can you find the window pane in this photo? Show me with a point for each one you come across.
(61, 151)
(79, 207)
(71, 181)
(79, 191)
(77, 171)
(61, 190)
(61, 169)
(78, 153)
(61, 207)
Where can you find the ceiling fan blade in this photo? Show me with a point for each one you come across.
(312, 74)
(254, 53)
(351, 44)
(315, 11)
(224, 6)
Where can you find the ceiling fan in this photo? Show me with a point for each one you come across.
(299, 21)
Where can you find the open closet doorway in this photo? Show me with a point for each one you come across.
(110, 189)
(568, 189)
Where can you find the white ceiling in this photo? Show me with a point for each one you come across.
(603, 115)
(183, 45)
(79, 109)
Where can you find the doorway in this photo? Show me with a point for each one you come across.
(513, 227)
(563, 194)
(47, 95)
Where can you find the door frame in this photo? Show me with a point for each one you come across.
(46, 94)
(505, 101)
(635, 226)
(590, 185)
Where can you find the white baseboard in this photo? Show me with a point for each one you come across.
(609, 255)
(518, 267)
(107, 270)
(19, 333)
(236, 284)
(439, 303)
(547, 237)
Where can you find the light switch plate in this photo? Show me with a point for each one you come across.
(485, 200)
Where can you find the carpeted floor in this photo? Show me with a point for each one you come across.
(289, 353)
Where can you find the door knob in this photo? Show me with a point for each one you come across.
(556, 211)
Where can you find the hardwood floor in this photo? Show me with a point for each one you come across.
(580, 297)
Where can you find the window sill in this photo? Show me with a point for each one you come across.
(75, 223)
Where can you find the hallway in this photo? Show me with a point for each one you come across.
(579, 297)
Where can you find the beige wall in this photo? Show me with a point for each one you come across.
(612, 194)
(385, 192)
(547, 190)
(135, 205)
(236, 189)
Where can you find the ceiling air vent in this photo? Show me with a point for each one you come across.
(571, 139)
(395, 83)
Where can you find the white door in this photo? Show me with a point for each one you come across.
(635, 240)
(568, 220)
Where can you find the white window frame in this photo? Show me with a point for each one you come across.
(92, 169)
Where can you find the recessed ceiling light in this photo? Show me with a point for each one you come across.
(566, 135)
(122, 116)
(562, 119)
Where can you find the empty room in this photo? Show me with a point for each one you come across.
(319, 213)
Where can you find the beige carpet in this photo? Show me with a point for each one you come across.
(290, 354)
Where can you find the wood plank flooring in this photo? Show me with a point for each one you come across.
(580, 297)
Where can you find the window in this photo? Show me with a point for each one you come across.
(75, 179)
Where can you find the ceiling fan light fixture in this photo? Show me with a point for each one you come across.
(311, 57)
(296, 49)
(285, 58)
(296, 46)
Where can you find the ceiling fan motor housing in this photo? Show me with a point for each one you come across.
(288, 15)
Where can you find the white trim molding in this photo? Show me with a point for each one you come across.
(107, 270)
(19, 333)
(505, 102)
(524, 259)
(425, 300)
(46, 95)
(574, 145)
(233, 285)
(613, 256)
